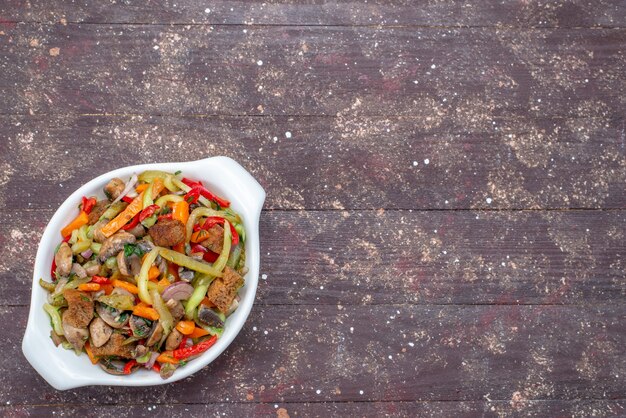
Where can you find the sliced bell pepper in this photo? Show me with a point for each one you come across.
(166, 216)
(199, 348)
(167, 357)
(127, 199)
(100, 280)
(80, 220)
(92, 358)
(180, 211)
(128, 368)
(198, 190)
(88, 204)
(133, 223)
(207, 255)
(198, 332)
(124, 217)
(183, 343)
(89, 287)
(148, 212)
(185, 327)
(144, 311)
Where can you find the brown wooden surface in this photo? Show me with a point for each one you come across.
(444, 226)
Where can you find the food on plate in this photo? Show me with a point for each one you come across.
(146, 275)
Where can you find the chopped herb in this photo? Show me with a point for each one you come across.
(130, 249)
(178, 172)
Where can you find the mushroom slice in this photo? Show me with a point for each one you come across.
(100, 332)
(209, 317)
(141, 327)
(114, 244)
(63, 259)
(75, 336)
(113, 317)
(157, 334)
(115, 367)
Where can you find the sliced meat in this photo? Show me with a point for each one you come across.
(100, 332)
(223, 290)
(114, 188)
(63, 259)
(215, 239)
(114, 347)
(98, 236)
(80, 308)
(167, 232)
(75, 335)
(97, 211)
(114, 244)
(173, 340)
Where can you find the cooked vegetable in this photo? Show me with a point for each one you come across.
(142, 281)
(185, 268)
(80, 220)
(178, 291)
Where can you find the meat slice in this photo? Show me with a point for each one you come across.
(114, 347)
(223, 290)
(167, 232)
(215, 239)
(97, 211)
(80, 308)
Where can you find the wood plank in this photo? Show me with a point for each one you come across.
(367, 258)
(605, 408)
(473, 74)
(349, 162)
(391, 353)
(343, 12)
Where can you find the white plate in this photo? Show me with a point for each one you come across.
(62, 368)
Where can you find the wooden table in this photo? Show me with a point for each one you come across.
(444, 231)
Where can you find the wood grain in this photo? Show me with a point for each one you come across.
(344, 12)
(605, 408)
(350, 162)
(432, 73)
(391, 353)
(398, 257)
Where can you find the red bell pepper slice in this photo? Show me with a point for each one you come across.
(129, 366)
(183, 353)
(183, 343)
(156, 367)
(191, 183)
(216, 220)
(148, 212)
(207, 255)
(127, 199)
(166, 216)
(198, 190)
(133, 223)
(100, 280)
(88, 204)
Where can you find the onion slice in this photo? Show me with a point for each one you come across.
(129, 186)
(178, 291)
